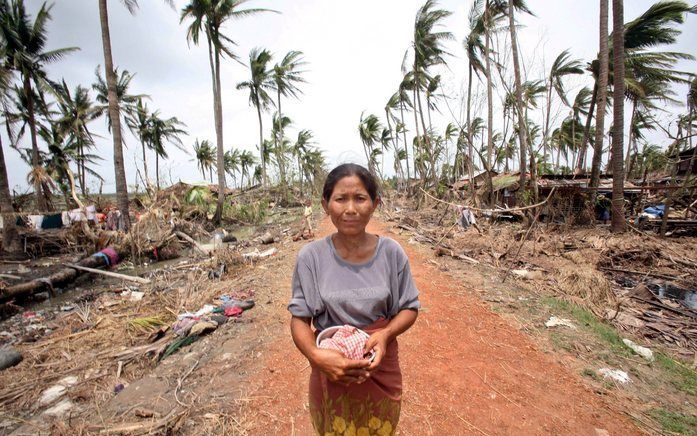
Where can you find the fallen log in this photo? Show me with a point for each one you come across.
(57, 279)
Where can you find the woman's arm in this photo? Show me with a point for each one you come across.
(337, 367)
(378, 341)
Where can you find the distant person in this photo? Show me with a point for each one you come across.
(602, 208)
(357, 279)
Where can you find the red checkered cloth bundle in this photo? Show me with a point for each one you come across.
(349, 341)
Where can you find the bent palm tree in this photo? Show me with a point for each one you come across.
(369, 130)
(24, 45)
(258, 85)
(160, 131)
(205, 157)
(209, 16)
(286, 77)
(561, 67)
(10, 237)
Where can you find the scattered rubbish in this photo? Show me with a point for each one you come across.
(183, 326)
(118, 388)
(260, 255)
(203, 327)
(266, 238)
(233, 311)
(638, 349)
(136, 296)
(9, 357)
(556, 322)
(615, 374)
(60, 409)
(205, 310)
(145, 413)
(67, 308)
(56, 391)
(528, 275)
(146, 323)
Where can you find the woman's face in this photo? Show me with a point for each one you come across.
(350, 206)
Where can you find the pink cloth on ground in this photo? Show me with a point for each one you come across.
(348, 340)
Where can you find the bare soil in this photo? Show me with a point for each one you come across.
(478, 361)
(466, 370)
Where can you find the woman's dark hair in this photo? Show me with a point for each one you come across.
(348, 170)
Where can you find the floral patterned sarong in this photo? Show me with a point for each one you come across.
(369, 408)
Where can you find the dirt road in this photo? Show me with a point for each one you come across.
(466, 371)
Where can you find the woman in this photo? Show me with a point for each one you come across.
(353, 278)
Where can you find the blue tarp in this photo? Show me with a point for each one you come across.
(656, 210)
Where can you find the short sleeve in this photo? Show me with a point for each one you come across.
(301, 288)
(408, 294)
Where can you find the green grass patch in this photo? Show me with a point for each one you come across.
(681, 377)
(675, 422)
(591, 374)
(590, 322)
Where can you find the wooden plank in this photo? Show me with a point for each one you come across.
(110, 274)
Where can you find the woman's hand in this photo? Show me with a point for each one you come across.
(338, 368)
(377, 342)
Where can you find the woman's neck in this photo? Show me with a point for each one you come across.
(351, 242)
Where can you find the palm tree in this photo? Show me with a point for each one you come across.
(618, 222)
(232, 163)
(286, 77)
(205, 157)
(160, 131)
(601, 87)
(428, 52)
(10, 237)
(299, 149)
(314, 167)
(127, 103)
(278, 146)
(209, 16)
(247, 161)
(138, 124)
(522, 128)
(561, 67)
(258, 85)
(369, 130)
(113, 106)
(76, 112)
(474, 49)
(654, 27)
(25, 42)
(404, 103)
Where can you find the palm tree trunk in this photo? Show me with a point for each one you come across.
(470, 145)
(630, 142)
(426, 135)
(42, 199)
(261, 145)
(404, 133)
(522, 124)
(217, 218)
(490, 96)
(547, 117)
(10, 237)
(300, 175)
(587, 129)
(157, 171)
(418, 142)
(618, 221)
(119, 169)
(389, 126)
(601, 91)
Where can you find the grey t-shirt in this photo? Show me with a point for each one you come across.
(332, 291)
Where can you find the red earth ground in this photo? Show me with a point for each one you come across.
(466, 371)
